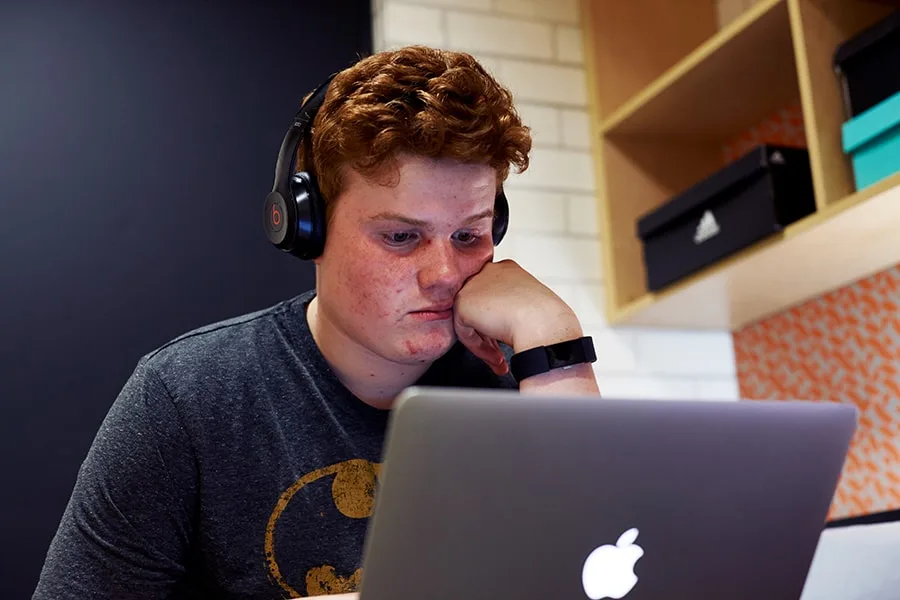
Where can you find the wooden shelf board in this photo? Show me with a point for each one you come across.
(740, 75)
(836, 246)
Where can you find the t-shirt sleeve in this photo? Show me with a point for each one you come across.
(126, 530)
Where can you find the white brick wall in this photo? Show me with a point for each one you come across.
(499, 35)
(535, 48)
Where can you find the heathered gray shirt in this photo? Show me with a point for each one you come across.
(233, 464)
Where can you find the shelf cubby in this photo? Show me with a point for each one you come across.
(670, 92)
(820, 26)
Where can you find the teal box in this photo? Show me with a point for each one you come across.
(872, 139)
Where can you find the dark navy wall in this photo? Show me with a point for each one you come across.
(137, 144)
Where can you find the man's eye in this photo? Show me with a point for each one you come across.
(399, 238)
(467, 237)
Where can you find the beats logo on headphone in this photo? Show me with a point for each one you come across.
(295, 209)
(277, 219)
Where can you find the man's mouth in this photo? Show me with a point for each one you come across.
(438, 312)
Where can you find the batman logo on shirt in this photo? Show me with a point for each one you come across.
(352, 492)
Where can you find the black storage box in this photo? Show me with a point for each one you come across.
(868, 66)
(755, 196)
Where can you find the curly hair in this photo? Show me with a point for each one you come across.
(414, 100)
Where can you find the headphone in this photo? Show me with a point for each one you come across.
(294, 212)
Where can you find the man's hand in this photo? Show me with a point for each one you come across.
(505, 303)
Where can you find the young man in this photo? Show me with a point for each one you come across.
(241, 459)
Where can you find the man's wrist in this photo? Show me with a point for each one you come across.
(546, 329)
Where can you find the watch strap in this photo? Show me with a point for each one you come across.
(541, 359)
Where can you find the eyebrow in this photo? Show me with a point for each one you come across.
(391, 216)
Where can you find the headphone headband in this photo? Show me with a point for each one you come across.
(299, 129)
(307, 113)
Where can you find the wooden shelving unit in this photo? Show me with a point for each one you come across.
(669, 89)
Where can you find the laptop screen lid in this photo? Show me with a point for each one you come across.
(492, 494)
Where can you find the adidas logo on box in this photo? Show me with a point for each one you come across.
(707, 228)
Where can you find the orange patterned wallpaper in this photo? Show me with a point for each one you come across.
(841, 347)
(784, 127)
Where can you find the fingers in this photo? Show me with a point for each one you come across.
(484, 348)
(499, 358)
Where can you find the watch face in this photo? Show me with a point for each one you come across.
(568, 353)
(563, 353)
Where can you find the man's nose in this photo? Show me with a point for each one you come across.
(440, 266)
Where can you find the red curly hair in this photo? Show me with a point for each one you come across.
(416, 100)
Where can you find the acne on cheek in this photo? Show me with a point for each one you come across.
(363, 307)
(362, 302)
(370, 291)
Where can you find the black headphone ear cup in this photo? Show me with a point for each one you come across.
(309, 208)
(294, 209)
(501, 217)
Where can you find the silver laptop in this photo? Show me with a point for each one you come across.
(493, 495)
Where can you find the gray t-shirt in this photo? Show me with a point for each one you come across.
(233, 464)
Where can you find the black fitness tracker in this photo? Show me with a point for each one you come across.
(535, 361)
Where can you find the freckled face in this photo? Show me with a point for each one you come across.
(396, 255)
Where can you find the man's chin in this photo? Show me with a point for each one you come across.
(425, 349)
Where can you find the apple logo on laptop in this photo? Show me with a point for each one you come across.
(608, 571)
